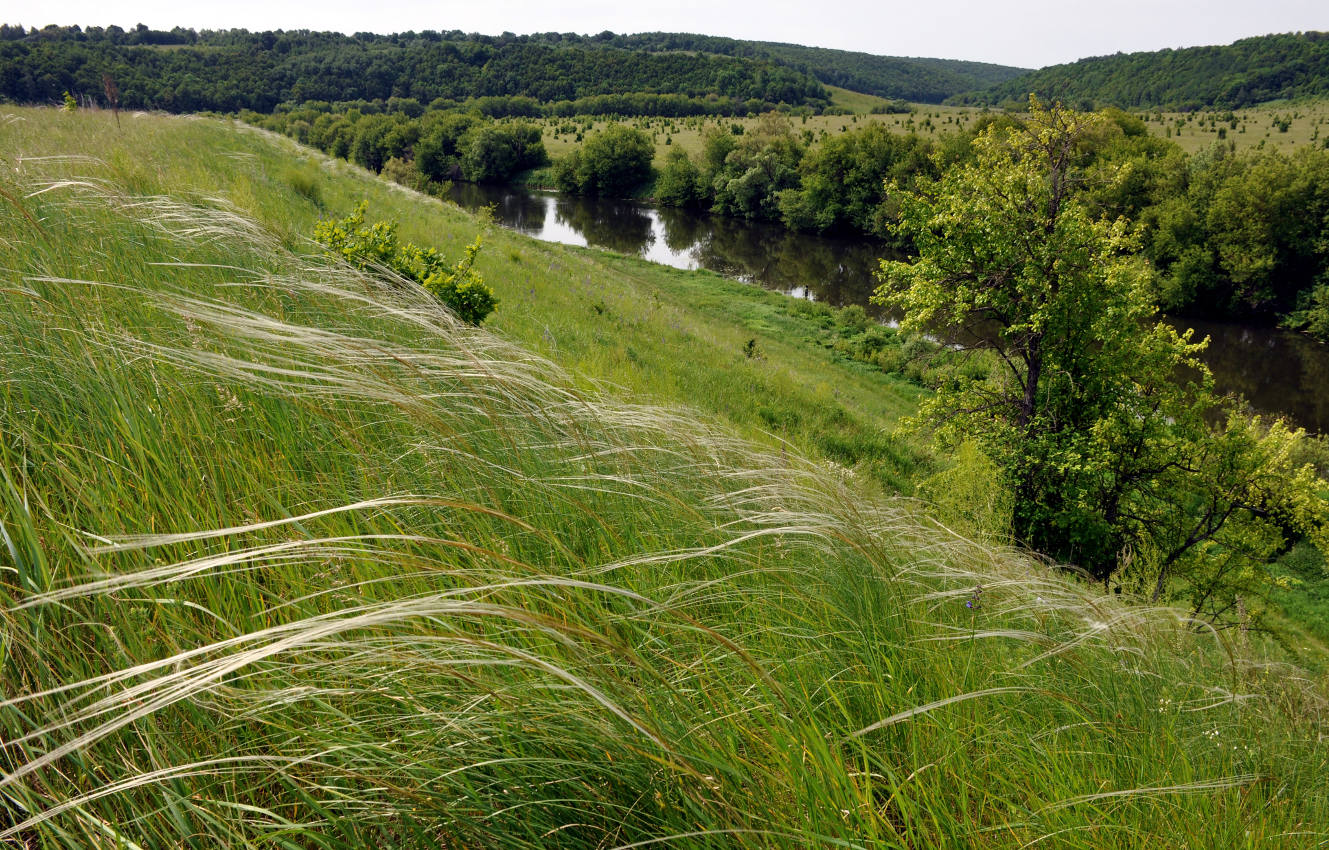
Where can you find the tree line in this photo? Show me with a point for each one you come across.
(230, 70)
(1244, 73)
(1229, 235)
(421, 152)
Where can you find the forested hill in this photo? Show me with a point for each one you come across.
(919, 80)
(186, 71)
(1247, 72)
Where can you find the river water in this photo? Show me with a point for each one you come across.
(1277, 372)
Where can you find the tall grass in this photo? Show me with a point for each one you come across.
(289, 557)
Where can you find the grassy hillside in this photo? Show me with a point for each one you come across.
(291, 558)
(1245, 73)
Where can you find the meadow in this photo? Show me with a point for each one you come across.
(293, 558)
(1283, 126)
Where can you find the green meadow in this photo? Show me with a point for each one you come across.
(1283, 126)
(290, 557)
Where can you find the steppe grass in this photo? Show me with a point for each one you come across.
(659, 333)
(291, 558)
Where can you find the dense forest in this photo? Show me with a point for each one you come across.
(1246, 72)
(226, 71)
(903, 78)
(643, 74)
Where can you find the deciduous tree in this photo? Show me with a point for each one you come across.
(1099, 415)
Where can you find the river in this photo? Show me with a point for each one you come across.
(1276, 371)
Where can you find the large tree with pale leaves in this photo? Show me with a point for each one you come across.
(1119, 455)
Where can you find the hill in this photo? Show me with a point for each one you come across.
(185, 71)
(901, 78)
(1244, 73)
(292, 557)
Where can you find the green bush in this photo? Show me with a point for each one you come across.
(680, 183)
(493, 153)
(376, 248)
(614, 161)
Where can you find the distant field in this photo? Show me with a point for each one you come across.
(1281, 125)
(1306, 124)
(561, 135)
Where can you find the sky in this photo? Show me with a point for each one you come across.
(1023, 33)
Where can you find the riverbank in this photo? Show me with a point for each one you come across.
(1278, 372)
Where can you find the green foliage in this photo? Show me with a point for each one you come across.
(438, 150)
(69, 104)
(1108, 453)
(492, 153)
(376, 248)
(378, 138)
(969, 495)
(405, 173)
(1313, 317)
(613, 161)
(843, 182)
(748, 174)
(230, 70)
(680, 182)
(1244, 235)
(1246, 72)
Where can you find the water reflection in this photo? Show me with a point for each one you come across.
(1276, 371)
(837, 271)
(682, 229)
(622, 227)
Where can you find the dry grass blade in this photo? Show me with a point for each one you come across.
(932, 706)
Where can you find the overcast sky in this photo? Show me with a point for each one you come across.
(1025, 33)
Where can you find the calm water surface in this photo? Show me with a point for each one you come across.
(1276, 371)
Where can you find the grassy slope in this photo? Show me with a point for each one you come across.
(666, 334)
(532, 613)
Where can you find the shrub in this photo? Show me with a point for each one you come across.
(376, 248)
(614, 161)
(680, 183)
(494, 152)
(405, 173)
